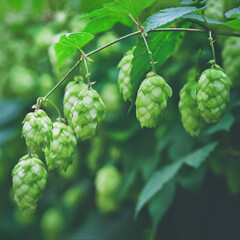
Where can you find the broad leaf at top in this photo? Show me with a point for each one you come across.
(68, 43)
(133, 7)
(166, 16)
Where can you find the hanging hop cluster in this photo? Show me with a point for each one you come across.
(231, 59)
(124, 83)
(62, 149)
(192, 120)
(37, 130)
(213, 93)
(87, 113)
(29, 180)
(72, 90)
(152, 99)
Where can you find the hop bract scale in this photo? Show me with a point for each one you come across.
(87, 113)
(152, 99)
(29, 180)
(124, 83)
(192, 120)
(37, 130)
(213, 94)
(62, 149)
(72, 91)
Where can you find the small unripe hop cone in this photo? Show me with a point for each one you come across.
(213, 94)
(152, 99)
(124, 83)
(87, 113)
(62, 149)
(37, 130)
(72, 90)
(192, 120)
(29, 180)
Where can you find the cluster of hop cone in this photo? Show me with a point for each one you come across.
(200, 103)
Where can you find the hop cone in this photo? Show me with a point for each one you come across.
(70, 97)
(29, 180)
(107, 181)
(215, 9)
(106, 204)
(191, 117)
(87, 113)
(62, 149)
(37, 130)
(213, 94)
(124, 83)
(151, 99)
(231, 58)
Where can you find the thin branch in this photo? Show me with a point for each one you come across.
(133, 34)
(62, 80)
(111, 43)
(145, 41)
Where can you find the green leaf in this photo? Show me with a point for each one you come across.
(235, 24)
(161, 202)
(224, 124)
(233, 13)
(68, 43)
(192, 179)
(162, 45)
(107, 22)
(156, 183)
(133, 7)
(197, 17)
(104, 19)
(196, 158)
(163, 176)
(166, 16)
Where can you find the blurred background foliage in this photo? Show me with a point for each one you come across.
(202, 197)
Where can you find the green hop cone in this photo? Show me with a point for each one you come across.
(215, 9)
(124, 83)
(106, 204)
(29, 180)
(152, 99)
(213, 94)
(62, 149)
(52, 223)
(87, 113)
(70, 97)
(111, 97)
(231, 59)
(107, 181)
(192, 120)
(37, 130)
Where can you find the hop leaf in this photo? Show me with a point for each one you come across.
(213, 94)
(37, 130)
(62, 149)
(29, 180)
(107, 181)
(124, 83)
(87, 113)
(72, 91)
(231, 59)
(152, 99)
(192, 120)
